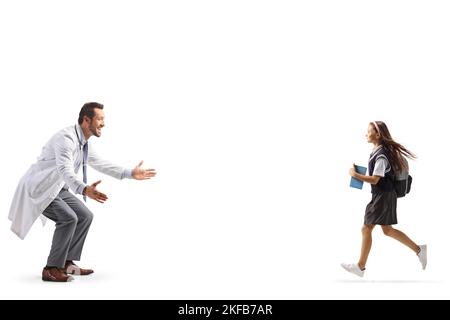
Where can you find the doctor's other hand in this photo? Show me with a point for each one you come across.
(140, 173)
(92, 192)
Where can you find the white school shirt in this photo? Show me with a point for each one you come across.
(381, 167)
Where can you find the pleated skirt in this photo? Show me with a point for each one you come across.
(382, 209)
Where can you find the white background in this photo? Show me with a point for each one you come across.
(252, 113)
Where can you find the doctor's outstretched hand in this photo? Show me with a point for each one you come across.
(92, 192)
(140, 173)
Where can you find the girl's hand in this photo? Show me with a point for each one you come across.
(352, 171)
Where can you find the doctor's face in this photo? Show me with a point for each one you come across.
(97, 122)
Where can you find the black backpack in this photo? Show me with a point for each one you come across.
(403, 181)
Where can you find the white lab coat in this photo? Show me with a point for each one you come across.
(58, 164)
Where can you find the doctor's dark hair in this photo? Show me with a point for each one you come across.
(88, 110)
(394, 149)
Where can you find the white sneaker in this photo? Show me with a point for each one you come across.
(423, 255)
(353, 268)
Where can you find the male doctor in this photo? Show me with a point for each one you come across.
(44, 189)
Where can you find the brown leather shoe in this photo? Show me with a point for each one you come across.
(55, 274)
(72, 268)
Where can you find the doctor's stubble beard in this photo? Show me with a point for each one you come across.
(94, 131)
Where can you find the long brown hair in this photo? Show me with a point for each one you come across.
(394, 149)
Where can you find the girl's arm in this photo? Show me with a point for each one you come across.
(368, 179)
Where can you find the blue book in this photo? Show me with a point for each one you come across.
(356, 183)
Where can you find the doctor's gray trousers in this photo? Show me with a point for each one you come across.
(73, 220)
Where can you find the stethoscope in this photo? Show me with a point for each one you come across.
(81, 147)
(78, 136)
